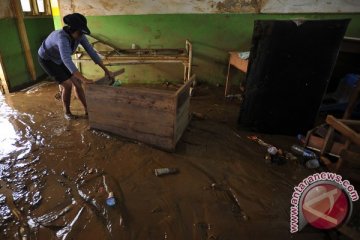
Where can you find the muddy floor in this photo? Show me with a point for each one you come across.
(53, 173)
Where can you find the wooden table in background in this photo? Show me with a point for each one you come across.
(237, 62)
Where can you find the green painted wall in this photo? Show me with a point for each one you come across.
(37, 30)
(212, 35)
(12, 52)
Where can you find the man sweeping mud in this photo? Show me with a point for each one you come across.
(55, 58)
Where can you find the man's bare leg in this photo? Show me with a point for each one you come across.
(59, 93)
(79, 91)
(66, 87)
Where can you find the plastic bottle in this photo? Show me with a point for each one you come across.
(110, 200)
(165, 171)
(298, 150)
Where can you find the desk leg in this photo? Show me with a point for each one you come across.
(227, 84)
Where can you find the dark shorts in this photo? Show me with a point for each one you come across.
(59, 72)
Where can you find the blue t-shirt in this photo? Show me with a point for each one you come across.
(59, 46)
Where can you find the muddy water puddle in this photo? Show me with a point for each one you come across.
(57, 175)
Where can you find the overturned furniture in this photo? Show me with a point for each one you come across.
(113, 56)
(340, 138)
(154, 116)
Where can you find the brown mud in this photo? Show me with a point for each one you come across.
(52, 177)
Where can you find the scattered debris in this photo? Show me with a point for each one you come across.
(244, 55)
(301, 151)
(156, 210)
(234, 96)
(272, 150)
(233, 196)
(110, 201)
(301, 138)
(236, 134)
(63, 233)
(312, 164)
(165, 171)
(259, 141)
(274, 155)
(290, 156)
(198, 116)
(308, 157)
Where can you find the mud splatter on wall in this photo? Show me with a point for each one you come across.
(136, 7)
(215, 27)
(240, 5)
(311, 6)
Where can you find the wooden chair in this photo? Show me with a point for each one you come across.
(346, 127)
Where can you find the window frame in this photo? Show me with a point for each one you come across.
(35, 9)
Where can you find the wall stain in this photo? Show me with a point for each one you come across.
(239, 5)
(108, 5)
(158, 34)
(147, 29)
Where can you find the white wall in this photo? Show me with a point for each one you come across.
(129, 7)
(312, 6)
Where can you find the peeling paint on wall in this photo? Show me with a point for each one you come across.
(137, 7)
(239, 6)
(5, 9)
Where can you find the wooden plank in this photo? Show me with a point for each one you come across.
(343, 129)
(182, 121)
(142, 124)
(316, 143)
(326, 161)
(135, 117)
(153, 116)
(182, 99)
(131, 90)
(350, 122)
(141, 114)
(157, 141)
(113, 96)
(24, 38)
(186, 86)
(328, 141)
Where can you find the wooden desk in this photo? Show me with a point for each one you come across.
(237, 62)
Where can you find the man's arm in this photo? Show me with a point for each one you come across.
(94, 56)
